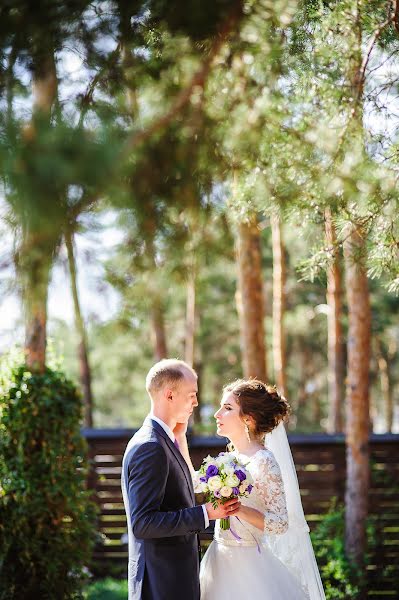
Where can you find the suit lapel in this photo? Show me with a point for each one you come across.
(177, 454)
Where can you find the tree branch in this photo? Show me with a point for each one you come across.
(373, 41)
(84, 203)
(87, 97)
(198, 80)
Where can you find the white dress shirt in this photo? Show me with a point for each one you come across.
(172, 437)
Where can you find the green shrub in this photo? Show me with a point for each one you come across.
(47, 521)
(341, 578)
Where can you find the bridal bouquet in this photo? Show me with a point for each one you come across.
(221, 479)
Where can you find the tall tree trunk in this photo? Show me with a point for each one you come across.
(305, 358)
(126, 12)
(158, 325)
(34, 266)
(157, 310)
(359, 316)
(279, 275)
(316, 408)
(386, 388)
(386, 392)
(250, 300)
(44, 85)
(189, 346)
(84, 364)
(357, 394)
(36, 249)
(157, 306)
(334, 320)
(199, 368)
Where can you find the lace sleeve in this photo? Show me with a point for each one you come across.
(269, 484)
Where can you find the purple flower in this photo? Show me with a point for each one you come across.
(217, 494)
(211, 471)
(249, 488)
(236, 491)
(240, 474)
(203, 478)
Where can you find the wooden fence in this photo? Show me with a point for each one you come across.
(320, 462)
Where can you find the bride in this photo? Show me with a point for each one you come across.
(267, 553)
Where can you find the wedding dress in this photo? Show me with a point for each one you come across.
(240, 562)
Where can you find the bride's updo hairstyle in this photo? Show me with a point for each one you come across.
(261, 402)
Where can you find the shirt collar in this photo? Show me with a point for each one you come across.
(165, 427)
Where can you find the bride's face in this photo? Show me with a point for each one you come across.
(229, 423)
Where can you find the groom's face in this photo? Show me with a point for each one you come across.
(184, 398)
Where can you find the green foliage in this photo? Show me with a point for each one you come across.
(107, 589)
(46, 517)
(341, 578)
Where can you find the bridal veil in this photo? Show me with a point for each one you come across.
(294, 547)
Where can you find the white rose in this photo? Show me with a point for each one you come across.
(229, 469)
(242, 488)
(214, 483)
(220, 460)
(200, 487)
(226, 491)
(232, 480)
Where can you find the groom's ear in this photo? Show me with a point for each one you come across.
(168, 394)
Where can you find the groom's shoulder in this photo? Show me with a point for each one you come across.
(143, 436)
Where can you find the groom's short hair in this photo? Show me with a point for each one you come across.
(168, 371)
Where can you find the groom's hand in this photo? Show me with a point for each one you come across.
(229, 509)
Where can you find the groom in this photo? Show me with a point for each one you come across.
(163, 521)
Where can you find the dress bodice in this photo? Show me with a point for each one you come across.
(267, 496)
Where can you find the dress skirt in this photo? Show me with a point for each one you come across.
(237, 572)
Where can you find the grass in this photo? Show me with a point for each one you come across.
(107, 589)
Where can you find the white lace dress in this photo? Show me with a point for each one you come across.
(237, 569)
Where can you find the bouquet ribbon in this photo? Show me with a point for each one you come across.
(238, 538)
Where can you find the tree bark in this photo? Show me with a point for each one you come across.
(334, 321)
(357, 394)
(156, 306)
(44, 85)
(386, 392)
(125, 16)
(279, 276)
(34, 265)
(84, 364)
(359, 317)
(199, 367)
(158, 325)
(189, 347)
(37, 247)
(250, 301)
(386, 388)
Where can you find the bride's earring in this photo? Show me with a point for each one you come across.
(247, 432)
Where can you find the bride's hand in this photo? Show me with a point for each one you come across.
(229, 509)
(180, 430)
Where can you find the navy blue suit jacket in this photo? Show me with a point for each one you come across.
(163, 521)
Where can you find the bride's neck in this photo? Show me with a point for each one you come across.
(243, 446)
